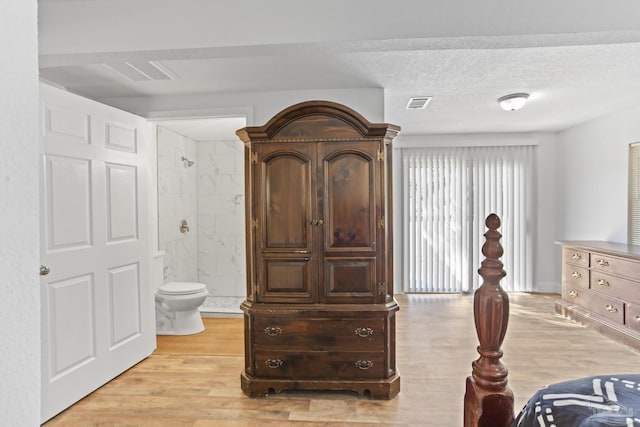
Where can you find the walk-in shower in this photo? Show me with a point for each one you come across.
(201, 213)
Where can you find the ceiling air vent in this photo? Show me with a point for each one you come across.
(143, 70)
(418, 102)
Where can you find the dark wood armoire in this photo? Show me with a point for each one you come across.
(320, 311)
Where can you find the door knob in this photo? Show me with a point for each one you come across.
(44, 270)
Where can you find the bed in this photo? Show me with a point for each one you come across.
(608, 400)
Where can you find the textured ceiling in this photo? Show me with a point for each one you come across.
(571, 76)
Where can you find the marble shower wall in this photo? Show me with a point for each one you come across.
(221, 233)
(177, 200)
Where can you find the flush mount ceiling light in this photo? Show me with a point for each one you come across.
(513, 102)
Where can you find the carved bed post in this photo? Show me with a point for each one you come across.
(488, 401)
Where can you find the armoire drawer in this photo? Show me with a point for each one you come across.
(575, 276)
(575, 257)
(603, 305)
(614, 286)
(320, 334)
(613, 265)
(319, 364)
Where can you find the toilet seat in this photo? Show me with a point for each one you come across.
(181, 288)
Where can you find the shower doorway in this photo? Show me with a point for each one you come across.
(201, 228)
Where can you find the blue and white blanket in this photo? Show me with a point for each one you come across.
(608, 400)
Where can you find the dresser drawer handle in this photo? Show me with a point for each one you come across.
(603, 283)
(273, 363)
(602, 263)
(364, 332)
(364, 364)
(576, 257)
(576, 275)
(573, 293)
(610, 308)
(272, 331)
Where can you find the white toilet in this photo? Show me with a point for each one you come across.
(177, 308)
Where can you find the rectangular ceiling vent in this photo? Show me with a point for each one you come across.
(144, 70)
(418, 102)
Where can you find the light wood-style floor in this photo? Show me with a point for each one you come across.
(195, 381)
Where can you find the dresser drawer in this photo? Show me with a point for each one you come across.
(575, 257)
(613, 265)
(320, 334)
(632, 316)
(607, 307)
(319, 364)
(575, 276)
(614, 286)
(573, 293)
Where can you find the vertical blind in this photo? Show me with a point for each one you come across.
(447, 194)
(634, 194)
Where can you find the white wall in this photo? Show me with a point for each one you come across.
(593, 177)
(221, 228)
(19, 234)
(547, 254)
(177, 201)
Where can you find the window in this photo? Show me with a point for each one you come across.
(447, 194)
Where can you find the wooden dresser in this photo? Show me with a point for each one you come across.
(601, 287)
(320, 311)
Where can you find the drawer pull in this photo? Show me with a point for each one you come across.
(602, 263)
(637, 318)
(364, 364)
(273, 363)
(576, 257)
(603, 283)
(576, 275)
(272, 331)
(573, 293)
(364, 332)
(610, 308)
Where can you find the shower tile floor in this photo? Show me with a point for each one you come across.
(215, 306)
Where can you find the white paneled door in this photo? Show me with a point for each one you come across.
(97, 302)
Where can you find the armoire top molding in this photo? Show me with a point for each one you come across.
(317, 120)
